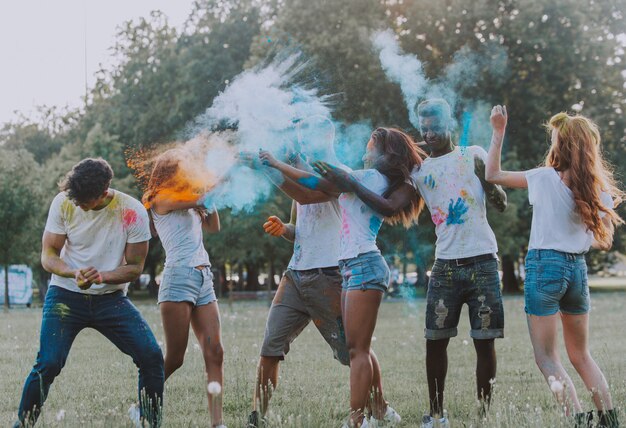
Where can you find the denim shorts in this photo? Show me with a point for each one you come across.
(367, 271)
(187, 284)
(451, 286)
(556, 281)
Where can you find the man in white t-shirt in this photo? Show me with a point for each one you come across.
(95, 242)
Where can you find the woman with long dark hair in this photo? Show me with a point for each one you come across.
(390, 157)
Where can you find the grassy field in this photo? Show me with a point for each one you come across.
(98, 383)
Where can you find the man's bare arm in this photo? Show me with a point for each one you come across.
(494, 193)
(134, 255)
(51, 246)
(387, 206)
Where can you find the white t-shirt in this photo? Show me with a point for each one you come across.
(180, 232)
(97, 238)
(456, 201)
(359, 223)
(556, 224)
(316, 244)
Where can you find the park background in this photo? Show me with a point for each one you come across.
(562, 55)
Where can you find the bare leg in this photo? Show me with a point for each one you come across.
(575, 333)
(360, 313)
(436, 371)
(543, 331)
(205, 321)
(176, 317)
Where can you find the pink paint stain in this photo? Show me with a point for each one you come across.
(129, 217)
(439, 216)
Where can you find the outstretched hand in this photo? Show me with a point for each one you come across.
(249, 159)
(274, 226)
(342, 179)
(499, 118)
(267, 158)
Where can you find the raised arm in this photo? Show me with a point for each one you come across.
(493, 170)
(211, 220)
(163, 204)
(295, 191)
(495, 194)
(304, 178)
(388, 206)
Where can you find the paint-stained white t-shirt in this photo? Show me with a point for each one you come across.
(180, 232)
(97, 238)
(316, 243)
(359, 223)
(456, 201)
(556, 224)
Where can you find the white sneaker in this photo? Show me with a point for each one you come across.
(391, 419)
(135, 415)
(430, 422)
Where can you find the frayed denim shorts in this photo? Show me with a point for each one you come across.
(187, 284)
(367, 271)
(556, 281)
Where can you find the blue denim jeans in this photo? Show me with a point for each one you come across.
(65, 314)
(556, 281)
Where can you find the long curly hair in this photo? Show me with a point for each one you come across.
(400, 155)
(576, 147)
(170, 179)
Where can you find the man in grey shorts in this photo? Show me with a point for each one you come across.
(309, 290)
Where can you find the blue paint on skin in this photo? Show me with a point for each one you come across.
(456, 211)
(467, 121)
(311, 182)
(375, 223)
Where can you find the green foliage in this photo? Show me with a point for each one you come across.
(561, 56)
(20, 206)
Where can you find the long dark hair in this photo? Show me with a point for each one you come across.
(400, 155)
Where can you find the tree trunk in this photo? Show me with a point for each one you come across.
(153, 287)
(42, 285)
(510, 283)
(7, 304)
(253, 276)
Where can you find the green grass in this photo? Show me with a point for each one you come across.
(98, 382)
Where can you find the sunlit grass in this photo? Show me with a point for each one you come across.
(98, 383)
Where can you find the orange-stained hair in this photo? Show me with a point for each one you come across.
(171, 180)
(577, 148)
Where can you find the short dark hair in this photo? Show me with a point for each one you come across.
(435, 107)
(87, 180)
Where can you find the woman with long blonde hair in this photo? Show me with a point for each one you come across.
(573, 198)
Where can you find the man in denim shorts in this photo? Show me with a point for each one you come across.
(452, 183)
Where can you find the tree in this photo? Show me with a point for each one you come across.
(19, 202)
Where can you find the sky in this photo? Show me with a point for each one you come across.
(42, 44)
